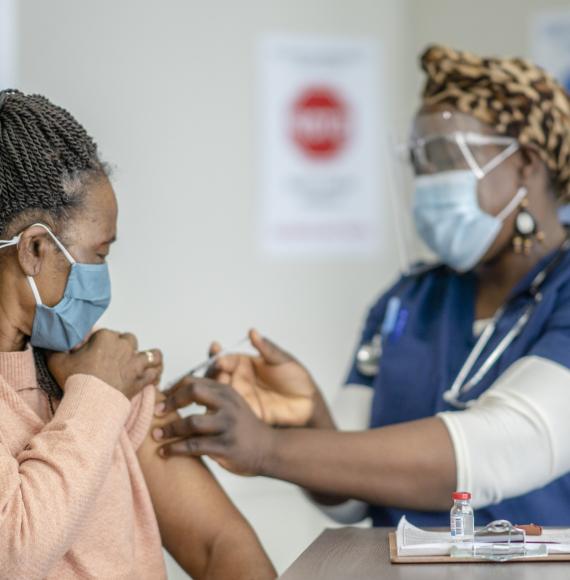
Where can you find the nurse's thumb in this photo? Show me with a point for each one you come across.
(269, 351)
(215, 349)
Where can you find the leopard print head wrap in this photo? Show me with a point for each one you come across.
(512, 95)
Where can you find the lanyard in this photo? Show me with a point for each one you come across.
(460, 386)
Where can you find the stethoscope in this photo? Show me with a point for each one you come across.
(369, 355)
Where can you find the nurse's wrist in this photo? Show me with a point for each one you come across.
(268, 457)
(321, 417)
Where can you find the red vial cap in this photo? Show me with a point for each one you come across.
(461, 495)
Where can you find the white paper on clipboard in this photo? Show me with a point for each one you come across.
(413, 541)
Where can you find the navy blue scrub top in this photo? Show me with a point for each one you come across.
(431, 337)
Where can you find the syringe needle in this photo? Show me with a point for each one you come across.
(205, 364)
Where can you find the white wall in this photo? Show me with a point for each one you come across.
(487, 27)
(167, 89)
(7, 43)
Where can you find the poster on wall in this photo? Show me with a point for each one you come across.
(550, 33)
(7, 44)
(318, 155)
(551, 43)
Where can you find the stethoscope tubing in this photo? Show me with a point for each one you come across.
(460, 385)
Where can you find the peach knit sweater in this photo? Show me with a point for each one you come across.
(73, 501)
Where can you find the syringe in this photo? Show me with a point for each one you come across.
(208, 362)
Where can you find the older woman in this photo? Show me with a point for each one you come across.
(461, 378)
(83, 493)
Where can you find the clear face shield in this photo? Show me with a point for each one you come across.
(441, 146)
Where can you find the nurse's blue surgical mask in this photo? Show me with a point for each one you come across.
(86, 297)
(448, 160)
(451, 223)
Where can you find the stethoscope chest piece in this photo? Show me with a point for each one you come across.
(368, 357)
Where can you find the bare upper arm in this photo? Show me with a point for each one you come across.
(192, 509)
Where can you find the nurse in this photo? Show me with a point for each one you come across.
(461, 378)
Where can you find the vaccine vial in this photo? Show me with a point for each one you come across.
(462, 520)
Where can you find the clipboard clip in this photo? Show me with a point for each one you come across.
(500, 531)
(499, 541)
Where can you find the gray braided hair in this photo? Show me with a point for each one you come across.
(46, 160)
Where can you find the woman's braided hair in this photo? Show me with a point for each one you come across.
(46, 160)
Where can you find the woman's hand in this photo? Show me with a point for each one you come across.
(229, 432)
(112, 357)
(276, 386)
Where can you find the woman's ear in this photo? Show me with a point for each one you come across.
(533, 167)
(33, 248)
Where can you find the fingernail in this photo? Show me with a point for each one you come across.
(162, 452)
(160, 408)
(158, 434)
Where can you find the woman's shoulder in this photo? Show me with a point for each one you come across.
(419, 280)
(555, 287)
(419, 275)
(560, 278)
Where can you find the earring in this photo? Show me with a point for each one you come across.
(526, 230)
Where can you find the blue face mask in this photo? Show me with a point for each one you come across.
(449, 220)
(86, 297)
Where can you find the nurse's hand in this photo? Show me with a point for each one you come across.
(278, 388)
(229, 432)
(112, 357)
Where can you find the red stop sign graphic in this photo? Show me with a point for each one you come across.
(320, 123)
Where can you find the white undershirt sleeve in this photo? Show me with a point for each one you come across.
(351, 411)
(352, 407)
(516, 437)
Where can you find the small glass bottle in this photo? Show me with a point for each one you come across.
(462, 520)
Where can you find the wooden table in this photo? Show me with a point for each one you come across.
(362, 554)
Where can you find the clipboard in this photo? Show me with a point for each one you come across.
(395, 559)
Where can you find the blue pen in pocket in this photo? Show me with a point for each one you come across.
(395, 320)
(400, 326)
(391, 316)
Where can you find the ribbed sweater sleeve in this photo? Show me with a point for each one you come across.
(48, 489)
